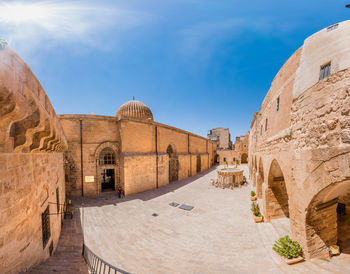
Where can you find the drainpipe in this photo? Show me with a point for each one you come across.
(156, 143)
(81, 157)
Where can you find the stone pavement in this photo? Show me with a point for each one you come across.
(67, 258)
(217, 236)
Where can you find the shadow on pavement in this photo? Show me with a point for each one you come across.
(108, 198)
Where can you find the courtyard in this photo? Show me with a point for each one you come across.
(142, 233)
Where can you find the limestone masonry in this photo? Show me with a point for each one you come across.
(297, 150)
(44, 157)
(299, 143)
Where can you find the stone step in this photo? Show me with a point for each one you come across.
(332, 265)
(281, 226)
(68, 256)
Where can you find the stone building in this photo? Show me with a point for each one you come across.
(239, 151)
(221, 136)
(129, 150)
(299, 143)
(44, 156)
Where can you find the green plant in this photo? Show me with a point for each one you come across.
(287, 248)
(252, 193)
(255, 209)
(226, 163)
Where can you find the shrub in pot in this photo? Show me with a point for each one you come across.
(258, 218)
(289, 249)
(253, 195)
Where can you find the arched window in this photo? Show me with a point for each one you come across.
(107, 157)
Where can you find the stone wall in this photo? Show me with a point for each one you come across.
(142, 162)
(28, 122)
(98, 132)
(309, 138)
(28, 186)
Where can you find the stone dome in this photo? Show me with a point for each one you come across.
(136, 110)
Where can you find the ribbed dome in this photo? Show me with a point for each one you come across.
(136, 110)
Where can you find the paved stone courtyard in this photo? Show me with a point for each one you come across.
(217, 236)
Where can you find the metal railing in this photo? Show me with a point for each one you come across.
(96, 265)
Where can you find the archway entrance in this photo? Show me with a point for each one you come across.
(107, 169)
(173, 164)
(198, 163)
(107, 179)
(276, 195)
(328, 219)
(244, 158)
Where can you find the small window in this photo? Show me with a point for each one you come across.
(325, 71)
(224, 159)
(266, 124)
(332, 27)
(107, 157)
(278, 104)
(45, 226)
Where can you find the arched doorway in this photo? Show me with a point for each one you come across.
(276, 196)
(244, 158)
(107, 163)
(198, 163)
(173, 164)
(260, 179)
(328, 219)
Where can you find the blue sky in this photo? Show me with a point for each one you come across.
(198, 64)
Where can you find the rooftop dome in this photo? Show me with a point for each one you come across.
(136, 110)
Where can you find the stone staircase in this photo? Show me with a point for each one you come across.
(270, 232)
(68, 255)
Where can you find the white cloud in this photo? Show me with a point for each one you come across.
(203, 37)
(42, 24)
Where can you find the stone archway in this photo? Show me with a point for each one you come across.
(107, 167)
(244, 158)
(328, 219)
(260, 179)
(276, 196)
(173, 163)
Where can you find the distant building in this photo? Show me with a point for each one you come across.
(238, 153)
(221, 136)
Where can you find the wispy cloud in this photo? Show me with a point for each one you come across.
(205, 36)
(29, 25)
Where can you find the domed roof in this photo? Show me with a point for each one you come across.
(136, 110)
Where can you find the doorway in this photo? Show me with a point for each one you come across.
(107, 179)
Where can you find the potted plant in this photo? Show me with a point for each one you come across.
(258, 218)
(226, 164)
(253, 195)
(290, 250)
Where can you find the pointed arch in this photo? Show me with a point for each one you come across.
(244, 158)
(328, 220)
(276, 196)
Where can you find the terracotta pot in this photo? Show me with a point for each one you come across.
(258, 219)
(253, 198)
